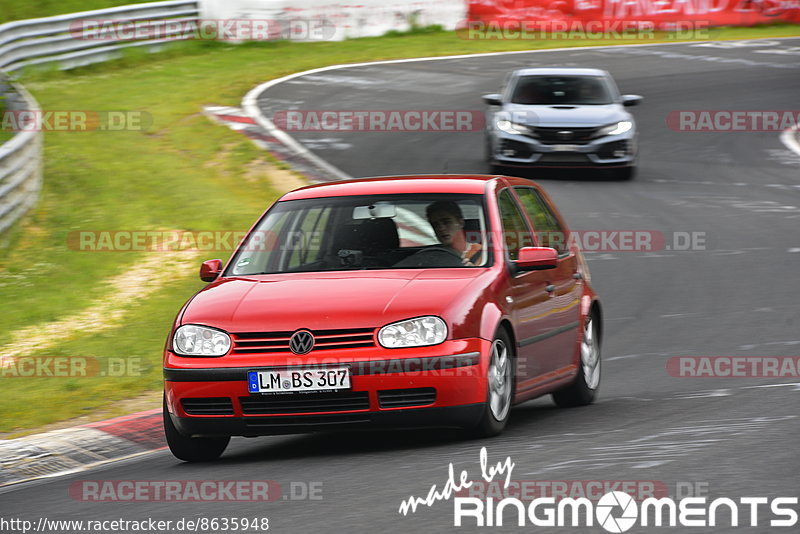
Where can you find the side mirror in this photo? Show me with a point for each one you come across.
(210, 270)
(493, 99)
(631, 100)
(536, 259)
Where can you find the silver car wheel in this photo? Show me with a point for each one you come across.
(499, 380)
(590, 355)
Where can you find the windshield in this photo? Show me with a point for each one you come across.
(567, 90)
(367, 232)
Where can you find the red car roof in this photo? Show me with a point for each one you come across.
(470, 184)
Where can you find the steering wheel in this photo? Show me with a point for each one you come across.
(438, 256)
(438, 248)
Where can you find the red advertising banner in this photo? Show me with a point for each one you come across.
(540, 15)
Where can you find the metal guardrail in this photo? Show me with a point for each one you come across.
(56, 40)
(20, 163)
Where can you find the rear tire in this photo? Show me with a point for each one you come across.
(499, 388)
(584, 389)
(192, 449)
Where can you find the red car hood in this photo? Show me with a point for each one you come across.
(359, 299)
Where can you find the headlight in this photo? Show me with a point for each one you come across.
(417, 332)
(512, 127)
(194, 340)
(615, 129)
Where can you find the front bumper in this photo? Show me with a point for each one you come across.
(465, 416)
(523, 151)
(430, 386)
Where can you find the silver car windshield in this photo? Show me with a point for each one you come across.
(563, 90)
(367, 232)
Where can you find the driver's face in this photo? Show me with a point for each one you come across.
(446, 226)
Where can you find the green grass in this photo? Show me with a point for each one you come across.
(30, 9)
(184, 172)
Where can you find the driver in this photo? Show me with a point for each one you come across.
(447, 222)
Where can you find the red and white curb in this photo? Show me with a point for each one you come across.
(273, 141)
(71, 450)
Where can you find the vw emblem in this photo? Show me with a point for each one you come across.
(565, 134)
(301, 342)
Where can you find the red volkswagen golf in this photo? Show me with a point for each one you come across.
(404, 301)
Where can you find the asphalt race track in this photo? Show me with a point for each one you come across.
(739, 191)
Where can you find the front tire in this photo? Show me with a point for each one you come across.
(625, 173)
(584, 389)
(192, 449)
(499, 389)
(497, 169)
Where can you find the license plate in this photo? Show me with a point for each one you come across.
(290, 380)
(565, 148)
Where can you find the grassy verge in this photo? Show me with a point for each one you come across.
(182, 173)
(27, 9)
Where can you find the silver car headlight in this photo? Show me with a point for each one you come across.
(418, 332)
(195, 340)
(512, 127)
(615, 129)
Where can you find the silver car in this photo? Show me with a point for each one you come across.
(561, 117)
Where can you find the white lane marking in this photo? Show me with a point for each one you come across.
(704, 394)
(783, 187)
(712, 59)
(738, 44)
(790, 51)
(250, 100)
(773, 343)
(326, 143)
(795, 384)
(598, 256)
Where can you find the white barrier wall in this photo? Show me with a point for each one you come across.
(328, 20)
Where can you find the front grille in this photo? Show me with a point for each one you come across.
(267, 342)
(208, 406)
(571, 158)
(257, 424)
(396, 398)
(565, 135)
(305, 403)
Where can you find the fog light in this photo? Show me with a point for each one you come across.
(619, 153)
(509, 152)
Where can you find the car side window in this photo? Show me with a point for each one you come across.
(548, 230)
(516, 233)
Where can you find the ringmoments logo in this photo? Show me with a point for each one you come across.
(618, 511)
(615, 511)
